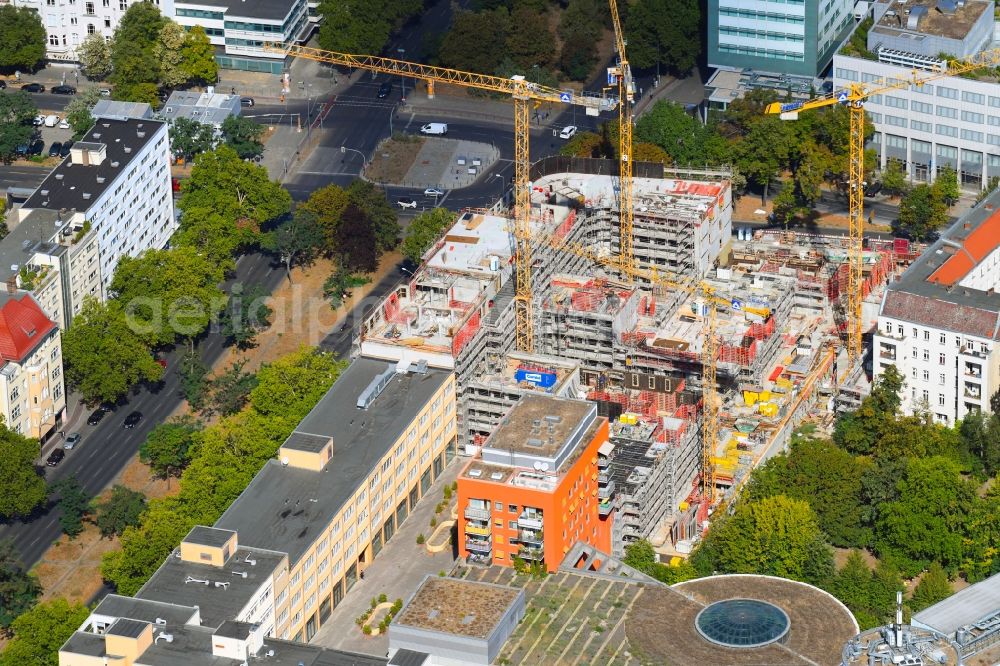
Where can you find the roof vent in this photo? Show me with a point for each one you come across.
(101, 179)
(223, 584)
(141, 135)
(60, 176)
(96, 135)
(468, 619)
(375, 388)
(251, 561)
(475, 473)
(421, 367)
(553, 419)
(192, 579)
(114, 164)
(535, 442)
(169, 638)
(433, 613)
(45, 193)
(160, 620)
(496, 476)
(105, 124)
(128, 149)
(86, 195)
(241, 574)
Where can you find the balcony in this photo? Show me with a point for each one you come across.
(478, 530)
(530, 536)
(602, 478)
(478, 545)
(973, 392)
(605, 508)
(888, 353)
(606, 491)
(602, 462)
(531, 552)
(973, 370)
(531, 521)
(473, 513)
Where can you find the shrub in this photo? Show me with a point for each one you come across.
(434, 521)
(367, 630)
(374, 602)
(441, 573)
(447, 492)
(381, 626)
(420, 539)
(382, 598)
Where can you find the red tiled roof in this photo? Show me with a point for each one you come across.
(23, 326)
(984, 239)
(936, 313)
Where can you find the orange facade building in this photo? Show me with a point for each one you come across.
(534, 490)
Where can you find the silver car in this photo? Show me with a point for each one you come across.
(72, 440)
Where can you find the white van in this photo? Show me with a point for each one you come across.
(51, 121)
(435, 128)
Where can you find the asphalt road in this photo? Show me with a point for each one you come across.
(106, 447)
(44, 101)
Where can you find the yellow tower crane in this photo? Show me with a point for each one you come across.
(854, 97)
(522, 92)
(626, 92)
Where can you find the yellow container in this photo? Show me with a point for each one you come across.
(750, 398)
(683, 506)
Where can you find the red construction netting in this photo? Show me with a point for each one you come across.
(394, 314)
(459, 305)
(743, 355)
(465, 333)
(762, 331)
(567, 224)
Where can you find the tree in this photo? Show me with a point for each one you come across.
(194, 382)
(584, 19)
(327, 204)
(231, 390)
(946, 185)
(852, 585)
(17, 111)
(74, 504)
(168, 52)
(298, 240)
(218, 239)
(337, 287)
(776, 536)
(664, 32)
(858, 431)
(476, 41)
(122, 509)
(104, 356)
(133, 65)
(669, 126)
(198, 57)
(239, 191)
(78, 112)
(584, 144)
(169, 294)
(169, 446)
(356, 241)
(921, 211)
(763, 152)
(144, 93)
(577, 57)
(290, 386)
(423, 231)
(530, 42)
(640, 556)
(894, 178)
(371, 200)
(19, 589)
(24, 489)
(243, 135)
(41, 631)
(22, 38)
(981, 558)
(932, 588)
(358, 26)
(246, 314)
(94, 54)
(190, 137)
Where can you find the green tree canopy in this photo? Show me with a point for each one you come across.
(24, 488)
(78, 112)
(945, 186)
(169, 294)
(668, 126)
(372, 202)
(243, 135)
(293, 384)
(894, 178)
(921, 211)
(74, 504)
(664, 31)
(246, 314)
(22, 38)
(356, 241)
(190, 137)
(104, 356)
(168, 52)
(19, 589)
(641, 556)
(424, 230)
(297, 241)
(198, 57)
(230, 391)
(17, 111)
(932, 588)
(41, 631)
(476, 41)
(327, 204)
(169, 446)
(530, 42)
(94, 54)
(122, 509)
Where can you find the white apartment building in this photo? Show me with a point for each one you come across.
(241, 28)
(794, 37)
(32, 400)
(69, 22)
(939, 324)
(110, 198)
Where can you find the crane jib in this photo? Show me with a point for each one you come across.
(791, 106)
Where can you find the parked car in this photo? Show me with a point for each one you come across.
(873, 189)
(38, 121)
(64, 124)
(3, 84)
(72, 440)
(36, 147)
(65, 148)
(384, 89)
(407, 203)
(567, 132)
(246, 101)
(55, 149)
(55, 458)
(105, 92)
(132, 420)
(96, 416)
(433, 192)
(63, 90)
(52, 120)
(435, 128)
(33, 88)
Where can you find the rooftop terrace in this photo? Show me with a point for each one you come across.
(540, 426)
(940, 18)
(457, 607)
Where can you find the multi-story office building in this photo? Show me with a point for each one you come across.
(32, 401)
(796, 37)
(533, 491)
(69, 22)
(343, 481)
(952, 121)
(110, 198)
(242, 27)
(940, 323)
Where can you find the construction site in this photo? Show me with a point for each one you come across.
(636, 344)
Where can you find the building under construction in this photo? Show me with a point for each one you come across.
(633, 346)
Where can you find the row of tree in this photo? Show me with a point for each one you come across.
(149, 52)
(900, 487)
(22, 38)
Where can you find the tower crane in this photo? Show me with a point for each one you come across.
(854, 97)
(522, 92)
(626, 92)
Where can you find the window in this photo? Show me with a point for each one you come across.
(921, 126)
(941, 379)
(969, 135)
(895, 102)
(941, 359)
(123, 5)
(498, 506)
(947, 112)
(512, 524)
(925, 395)
(921, 107)
(942, 339)
(927, 355)
(941, 399)
(511, 508)
(89, 9)
(107, 23)
(896, 121)
(947, 93)
(926, 375)
(946, 130)
(975, 98)
(972, 117)
(53, 39)
(90, 29)
(927, 335)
